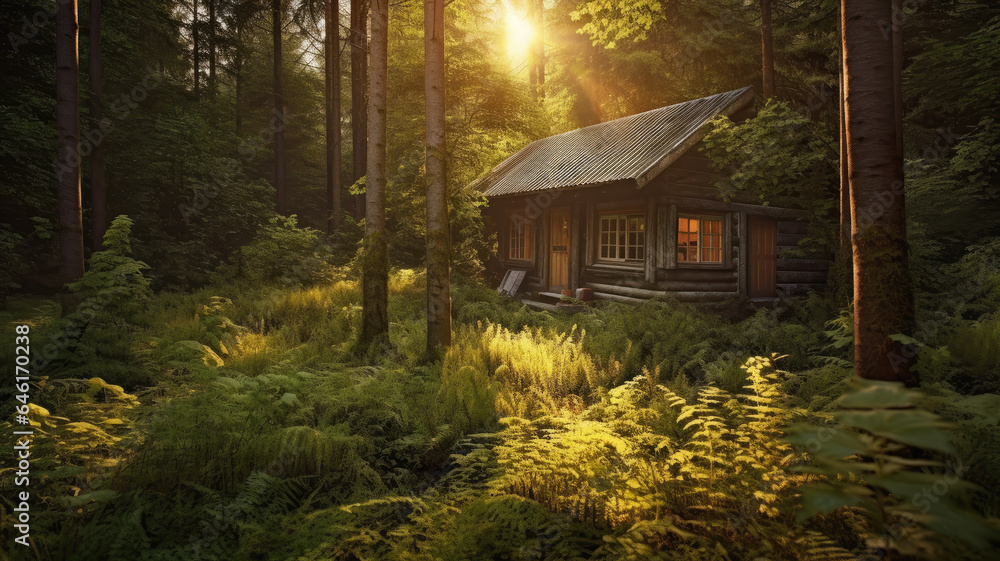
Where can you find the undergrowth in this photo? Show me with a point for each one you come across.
(237, 423)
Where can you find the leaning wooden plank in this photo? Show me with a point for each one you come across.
(511, 282)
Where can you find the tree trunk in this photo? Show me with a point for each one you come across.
(98, 184)
(279, 109)
(359, 103)
(375, 275)
(883, 299)
(238, 78)
(333, 141)
(68, 125)
(195, 52)
(540, 47)
(767, 49)
(237, 65)
(845, 185)
(438, 243)
(211, 48)
(532, 53)
(897, 74)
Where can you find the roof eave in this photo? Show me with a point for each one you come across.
(574, 187)
(656, 168)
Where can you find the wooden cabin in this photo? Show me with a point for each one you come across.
(631, 209)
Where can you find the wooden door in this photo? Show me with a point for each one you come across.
(763, 244)
(559, 247)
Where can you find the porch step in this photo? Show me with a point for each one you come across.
(555, 295)
(622, 299)
(553, 308)
(541, 305)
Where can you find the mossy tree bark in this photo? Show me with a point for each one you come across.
(212, 24)
(883, 298)
(279, 109)
(539, 47)
(375, 274)
(195, 52)
(333, 139)
(98, 183)
(438, 243)
(359, 92)
(767, 49)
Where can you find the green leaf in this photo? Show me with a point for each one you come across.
(825, 498)
(876, 394)
(915, 427)
(95, 496)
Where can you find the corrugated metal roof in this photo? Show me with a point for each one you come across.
(638, 147)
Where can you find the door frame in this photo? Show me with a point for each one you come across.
(550, 223)
(753, 263)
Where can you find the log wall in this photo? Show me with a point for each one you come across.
(688, 186)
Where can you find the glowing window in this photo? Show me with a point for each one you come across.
(699, 239)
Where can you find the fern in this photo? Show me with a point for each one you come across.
(873, 462)
(817, 547)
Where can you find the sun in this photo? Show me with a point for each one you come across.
(519, 35)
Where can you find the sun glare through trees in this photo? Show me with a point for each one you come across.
(481, 280)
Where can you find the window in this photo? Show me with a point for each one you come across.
(522, 238)
(622, 237)
(699, 239)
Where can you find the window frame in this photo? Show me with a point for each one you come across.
(724, 239)
(627, 214)
(528, 245)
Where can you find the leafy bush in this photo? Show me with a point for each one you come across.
(104, 328)
(976, 347)
(870, 461)
(283, 251)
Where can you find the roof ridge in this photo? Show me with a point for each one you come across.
(636, 147)
(665, 107)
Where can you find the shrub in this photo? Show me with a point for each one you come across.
(283, 251)
(882, 458)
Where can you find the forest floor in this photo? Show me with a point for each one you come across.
(242, 422)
